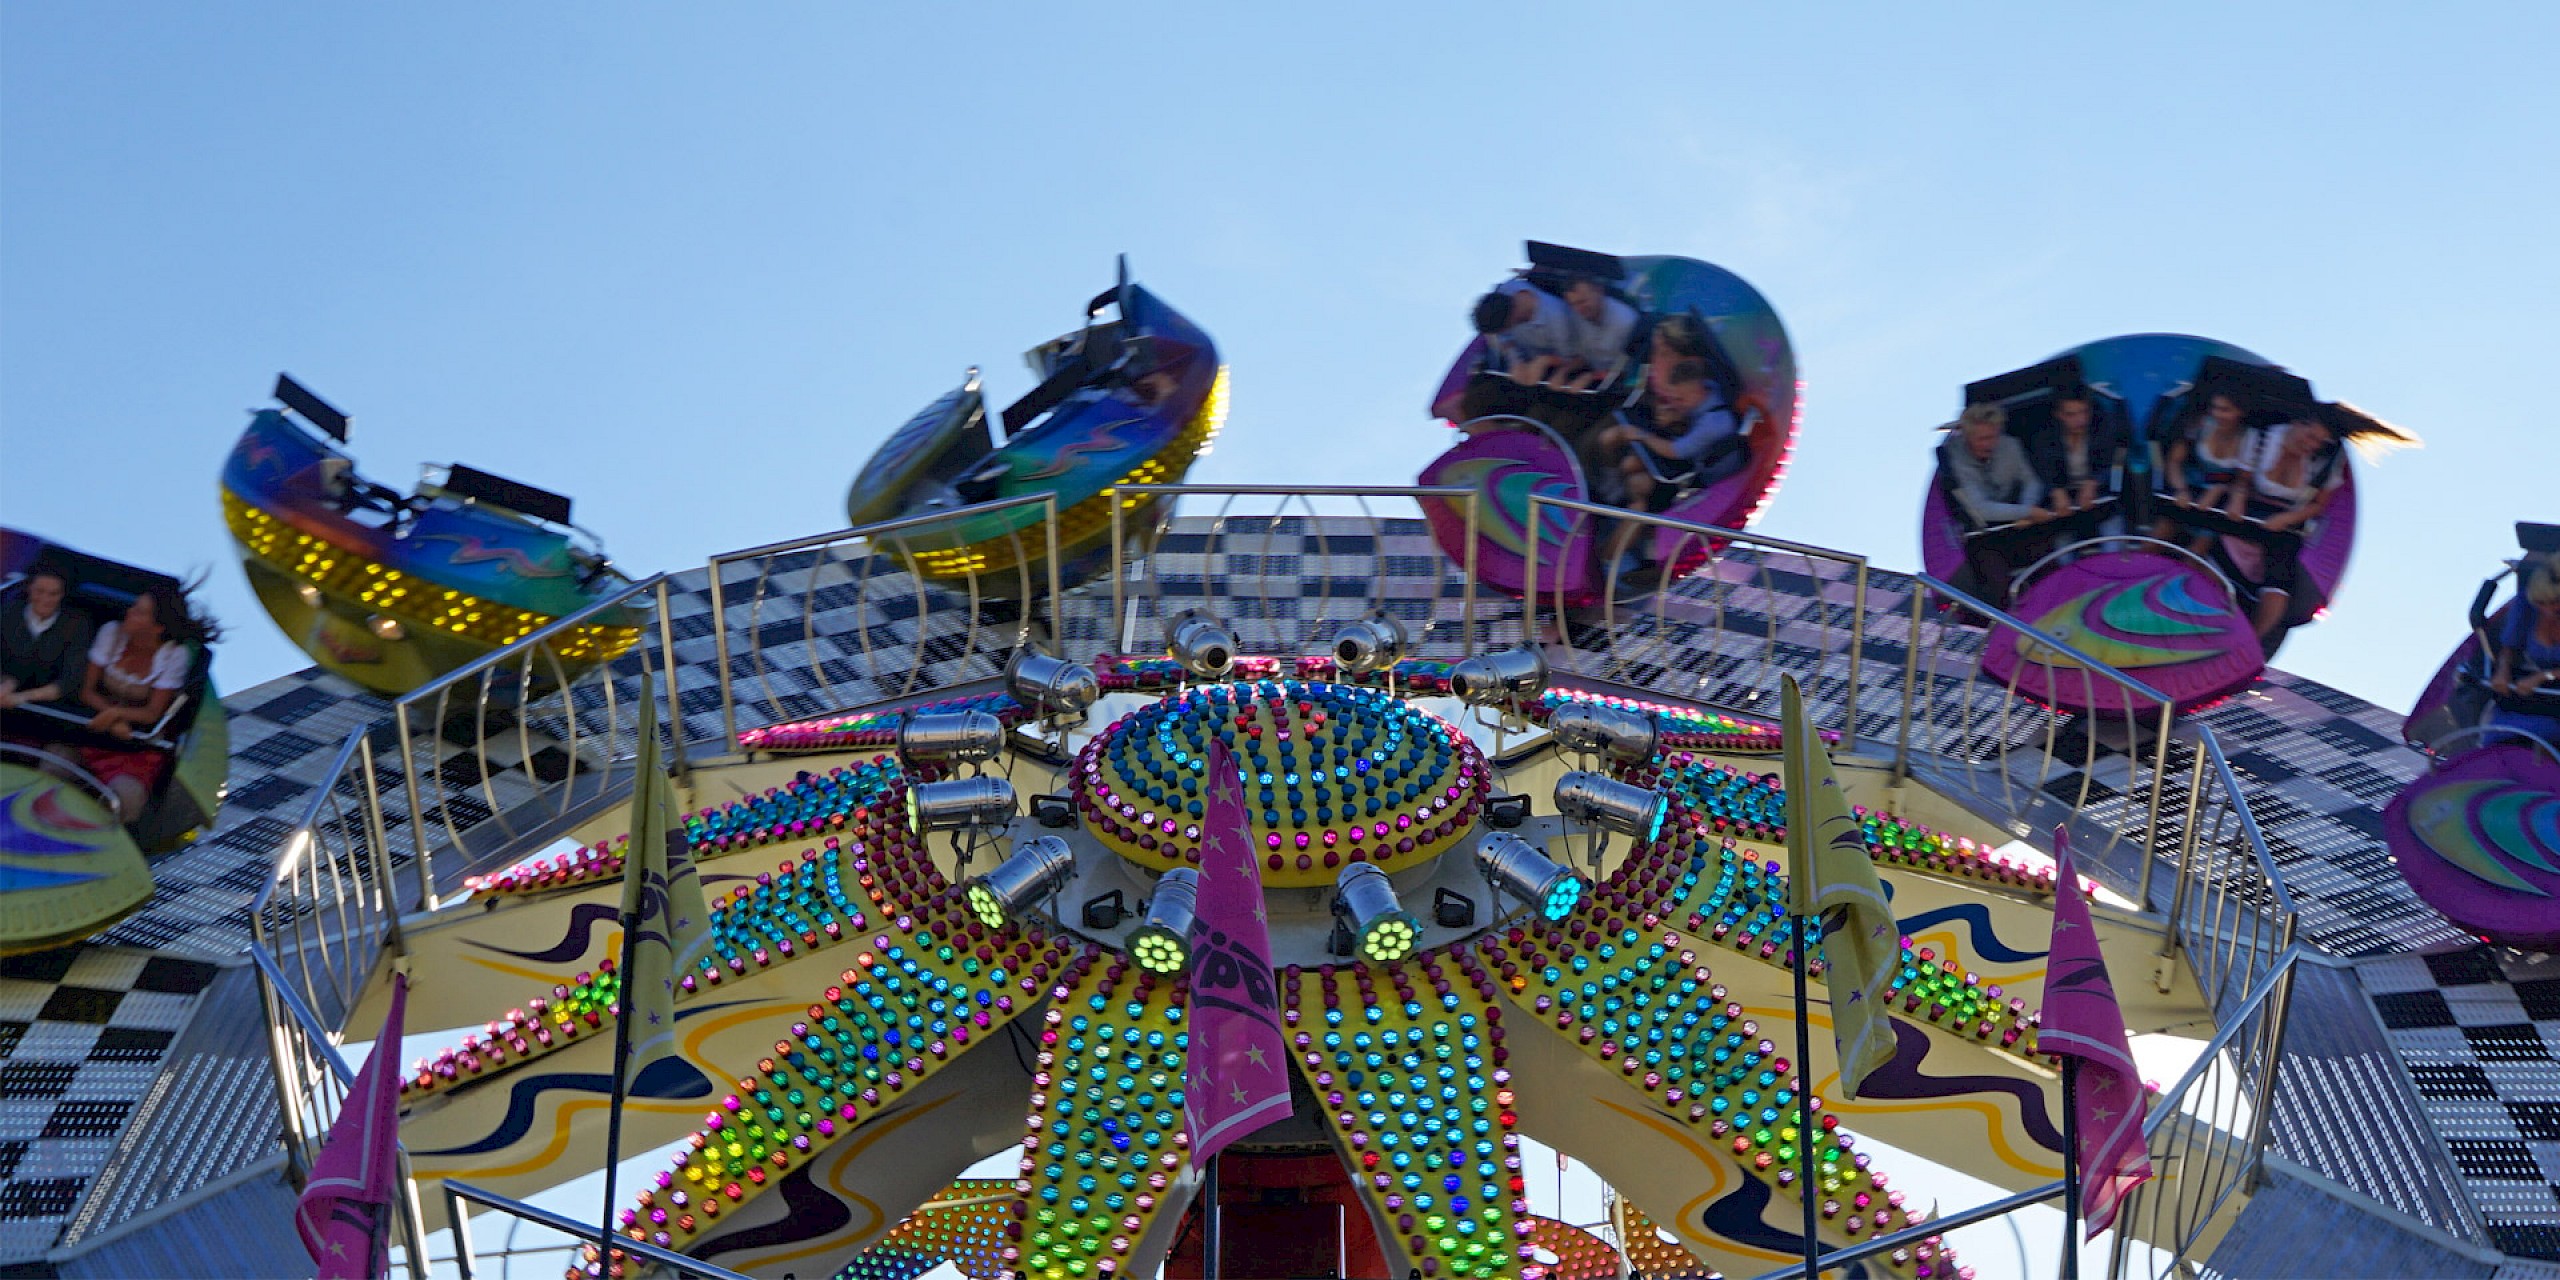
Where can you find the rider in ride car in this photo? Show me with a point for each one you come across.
(43, 646)
(1992, 482)
(2529, 653)
(1602, 327)
(2206, 457)
(2078, 460)
(2291, 473)
(1690, 439)
(137, 666)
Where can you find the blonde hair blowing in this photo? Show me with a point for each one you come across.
(1982, 413)
(2543, 588)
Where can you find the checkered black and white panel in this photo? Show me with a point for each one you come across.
(83, 1034)
(2479, 1032)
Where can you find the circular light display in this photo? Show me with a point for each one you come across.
(1334, 775)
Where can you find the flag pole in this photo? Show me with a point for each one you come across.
(1210, 1237)
(621, 1089)
(2070, 1167)
(1804, 1106)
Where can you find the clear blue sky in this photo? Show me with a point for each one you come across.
(688, 263)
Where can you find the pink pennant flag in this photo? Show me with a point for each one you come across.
(2083, 1021)
(345, 1214)
(1237, 1077)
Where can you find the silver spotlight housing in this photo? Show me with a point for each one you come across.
(1161, 943)
(1374, 643)
(1052, 686)
(1197, 641)
(1516, 867)
(960, 803)
(1507, 675)
(1039, 868)
(1382, 931)
(1588, 726)
(965, 737)
(1611, 805)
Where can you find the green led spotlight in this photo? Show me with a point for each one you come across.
(1039, 868)
(1382, 930)
(1161, 943)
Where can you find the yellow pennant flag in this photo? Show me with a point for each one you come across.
(662, 903)
(1831, 878)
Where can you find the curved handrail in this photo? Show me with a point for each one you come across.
(71, 770)
(2018, 580)
(2438, 757)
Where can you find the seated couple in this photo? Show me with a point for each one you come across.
(116, 684)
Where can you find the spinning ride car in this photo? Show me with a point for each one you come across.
(1526, 436)
(2187, 583)
(392, 591)
(2478, 836)
(1130, 400)
(70, 862)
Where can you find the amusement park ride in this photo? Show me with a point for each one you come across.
(1512, 891)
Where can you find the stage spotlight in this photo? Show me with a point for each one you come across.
(1611, 805)
(1039, 868)
(1516, 867)
(963, 737)
(1162, 942)
(1051, 686)
(1382, 931)
(1204, 648)
(959, 803)
(1508, 675)
(1374, 643)
(1586, 726)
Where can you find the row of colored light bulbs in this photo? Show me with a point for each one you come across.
(1726, 1057)
(876, 729)
(1755, 806)
(346, 573)
(897, 1017)
(1417, 1084)
(797, 909)
(1105, 1133)
(808, 804)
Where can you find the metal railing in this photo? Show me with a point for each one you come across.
(312, 1083)
(1252, 567)
(2208, 1133)
(2207, 1137)
(1734, 611)
(517, 738)
(330, 910)
(2228, 911)
(575, 1235)
(2007, 748)
(766, 601)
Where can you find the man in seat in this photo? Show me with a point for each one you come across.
(1995, 490)
(44, 647)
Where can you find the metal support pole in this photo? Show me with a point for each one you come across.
(675, 705)
(1467, 609)
(1910, 685)
(1211, 1238)
(417, 808)
(1857, 648)
(720, 649)
(2070, 1168)
(1804, 1106)
(605, 1234)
